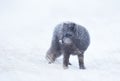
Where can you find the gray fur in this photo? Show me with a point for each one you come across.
(69, 38)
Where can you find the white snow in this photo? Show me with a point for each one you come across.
(26, 28)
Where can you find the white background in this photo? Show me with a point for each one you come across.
(26, 28)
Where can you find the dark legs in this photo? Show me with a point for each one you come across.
(66, 60)
(81, 61)
(53, 54)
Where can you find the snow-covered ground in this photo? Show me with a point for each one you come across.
(26, 28)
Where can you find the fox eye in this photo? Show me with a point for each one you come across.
(72, 28)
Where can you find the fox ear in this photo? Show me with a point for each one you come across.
(65, 25)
